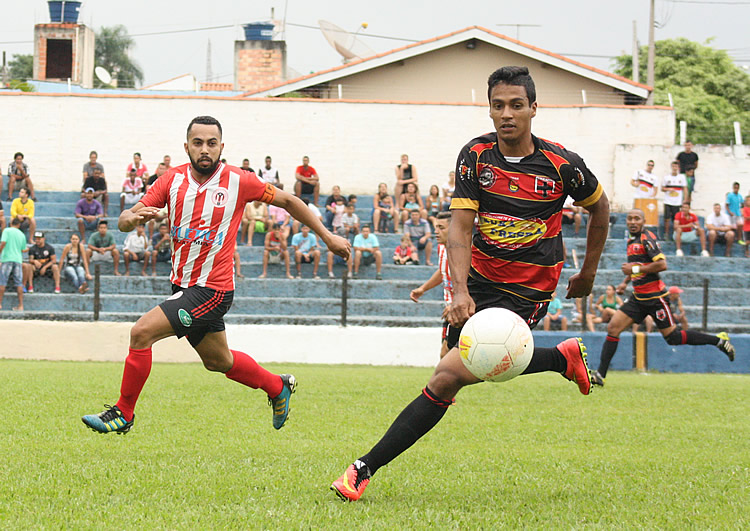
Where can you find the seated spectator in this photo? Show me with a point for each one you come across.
(18, 176)
(420, 233)
(75, 264)
(132, 190)
(137, 249)
(349, 223)
(307, 181)
(335, 259)
(246, 165)
(339, 207)
(330, 206)
(281, 217)
(161, 169)
(269, 174)
(432, 204)
(554, 317)
(90, 167)
(367, 251)
(2, 214)
(686, 227)
(675, 304)
(448, 189)
(384, 210)
(22, 209)
(237, 264)
(315, 210)
(274, 250)
(101, 247)
(411, 200)
(161, 247)
(572, 215)
(99, 185)
(88, 212)
(167, 161)
(255, 218)
(746, 225)
(12, 247)
(43, 261)
(605, 308)
(406, 252)
(720, 229)
(405, 174)
(351, 199)
(306, 250)
(140, 169)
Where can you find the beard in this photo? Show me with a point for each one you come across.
(201, 170)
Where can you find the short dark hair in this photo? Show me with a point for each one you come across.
(94, 153)
(445, 214)
(512, 75)
(686, 203)
(351, 196)
(25, 189)
(204, 120)
(18, 154)
(650, 160)
(137, 153)
(246, 160)
(735, 183)
(15, 222)
(102, 222)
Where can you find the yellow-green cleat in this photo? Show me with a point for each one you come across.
(280, 403)
(109, 420)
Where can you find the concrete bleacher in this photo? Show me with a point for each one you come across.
(277, 299)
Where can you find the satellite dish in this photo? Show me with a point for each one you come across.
(344, 42)
(102, 75)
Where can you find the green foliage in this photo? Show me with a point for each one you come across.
(21, 67)
(23, 86)
(709, 90)
(112, 47)
(662, 451)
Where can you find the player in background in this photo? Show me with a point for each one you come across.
(441, 275)
(515, 184)
(205, 201)
(645, 262)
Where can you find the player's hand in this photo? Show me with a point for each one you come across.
(461, 309)
(579, 285)
(340, 246)
(627, 269)
(446, 311)
(416, 294)
(620, 289)
(146, 214)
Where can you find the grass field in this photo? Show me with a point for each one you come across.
(647, 451)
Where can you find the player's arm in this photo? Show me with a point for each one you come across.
(139, 213)
(435, 280)
(459, 261)
(581, 283)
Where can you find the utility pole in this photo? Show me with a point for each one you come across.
(636, 65)
(209, 70)
(651, 53)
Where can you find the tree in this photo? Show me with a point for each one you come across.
(112, 47)
(709, 91)
(21, 67)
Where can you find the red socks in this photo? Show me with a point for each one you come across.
(246, 370)
(134, 376)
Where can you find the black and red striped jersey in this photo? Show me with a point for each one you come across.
(517, 246)
(644, 249)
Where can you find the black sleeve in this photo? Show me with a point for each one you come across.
(466, 193)
(579, 182)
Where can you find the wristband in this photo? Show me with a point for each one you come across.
(636, 269)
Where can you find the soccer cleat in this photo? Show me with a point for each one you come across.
(597, 379)
(109, 420)
(575, 353)
(280, 404)
(725, 346)
(352, 483)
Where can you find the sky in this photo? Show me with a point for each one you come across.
(589, 31)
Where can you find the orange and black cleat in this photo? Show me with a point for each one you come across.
(577, 371)
(352, 482)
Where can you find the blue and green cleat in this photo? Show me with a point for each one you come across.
(109, 420)
(280, 403)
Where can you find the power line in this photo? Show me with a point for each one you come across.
(707, 2)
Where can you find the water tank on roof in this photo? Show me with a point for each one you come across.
(258, 31)
(63, 11)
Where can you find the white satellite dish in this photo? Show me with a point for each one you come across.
(102, 75)
(344, 42)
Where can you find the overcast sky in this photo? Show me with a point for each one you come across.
(573, 27)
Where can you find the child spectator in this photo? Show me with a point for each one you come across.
(43, 260)
(383, 210)
(306, 250)
(554, 315)
(420, 233)
(280, 217)
(339, 207)
(675, 304)
(137, 249)
(161, 247)
(132, 189)
(330, 206)
(275, 249)
(75, 264)
(349, 223)
(406, 253)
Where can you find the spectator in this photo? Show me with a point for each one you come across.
(686, 227)
(554, 317)
(138, 166)
(746, 225)
(246, 165)
(167, 160)
(411, 200)
(432, 204)
(720, 229)
(161, 247)
(307, 180)
(690, 180)
(255, 218)
(367, 251)
(132, 189)
(733, 205)
(137, 249)
(270, 174)
(405, 174)
(75, 264)
(349, 223)
(315, 210)
(161, 169)
(351, 199)
(306, 250)
(43, 260)
(274, 250)
(90, 166)
(12, 247)
(420, 233)
(673, 187)
(237, 264)
(101, 246)
(383, 210)
(645, 182)
(448, 189)
(406, 252)
(688, 159)
(97, 183)
(2, 214)
(88, 212)
(18, 176)
(606, 306)
(339, 207)
(280, 217)
(22, 209)
(572, 214)
(330, 206)
(675, 304)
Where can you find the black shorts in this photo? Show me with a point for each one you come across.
(306, 188)
(196, 311)
(306, 259)
(568, 220)
(658, 308)
(488, 297)
(670, 212)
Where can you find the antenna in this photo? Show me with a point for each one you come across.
(345, 43)
(102, 75)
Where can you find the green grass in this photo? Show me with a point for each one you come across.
(647, 451)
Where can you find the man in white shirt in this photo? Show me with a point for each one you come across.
(269, 174)
(645, 182)
(673, 186)
(720, 229)
(136, 248)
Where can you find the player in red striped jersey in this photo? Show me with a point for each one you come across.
(645, 262)
(205, 200)
(515, 184)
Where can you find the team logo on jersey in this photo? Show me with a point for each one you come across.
(464, 172)
(185, 318)
(508, 232)
(219, 197)
(543, 185)
(512, 183)
(661, 315)
(487, 178)
(572, 175)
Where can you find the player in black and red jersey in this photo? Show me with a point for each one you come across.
(645, 262)
(515, 184)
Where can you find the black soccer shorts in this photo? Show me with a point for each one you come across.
(196, 311)
(658, 308)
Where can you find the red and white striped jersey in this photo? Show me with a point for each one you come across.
(204, 219)
(445, 273)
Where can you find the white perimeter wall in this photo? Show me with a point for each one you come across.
(352, 144)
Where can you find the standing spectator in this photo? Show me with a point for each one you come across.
(167, 160)
(137, 249)
(18, 176)
(675, 304)
(22, 209)
(75, 264)
(720, 229)
(406, 252)
(315, 211)
(405, 174)
(645, 182)
(572, 214)
(88, 212)
(367, 251)
(606, 305)
(432, 204)
(306, 250)
(161, 247)
(673, 186)
(12, 247)
(688, 159)
(101, 247)
(411, 200)
(132, 189)
(733, 206)
(448, 189)
(43, 260)
(686, 227)
(554, 315)
(138, 166)
(420, 233)
(307, 180)
(338, 214)
(246, 165)
(330, 206)
(97, 183)
(690, 180)
(280, 217)
(255, 218)
(269, 174)
(90, 166)
(349, 222)
(383, 210)
(746, 225)
(275, 250)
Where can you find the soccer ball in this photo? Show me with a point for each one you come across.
(496, 345)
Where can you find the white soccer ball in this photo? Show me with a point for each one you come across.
(496, 345)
